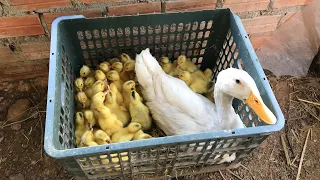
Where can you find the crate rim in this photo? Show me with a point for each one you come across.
(51, 151)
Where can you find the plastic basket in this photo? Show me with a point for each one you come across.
(212, 39)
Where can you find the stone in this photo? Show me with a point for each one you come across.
(16, 111)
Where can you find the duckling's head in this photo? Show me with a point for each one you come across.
(99, 75)
(239, 84)
(113, 88)
(84, 71)
(110, 97)
(144, 136)
(99, 85)
(134, 127)
(79, 83)
(117, 66)
(124, 57)
(79, 118)
(104, 67)
(87, 138)
(89, 81)
(98, 98)
(102, 136)
(82, 97)
(184, 75)
(129, 65)
(128, 85)
(102, 110)
(181, 59)
(113, 75)
(164, 60)
(88, 114)
(208, 72)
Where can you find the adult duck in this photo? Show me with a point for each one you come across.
(178, 110)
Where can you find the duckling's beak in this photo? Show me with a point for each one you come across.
(90, 127)
(261, 109)
(108, 141)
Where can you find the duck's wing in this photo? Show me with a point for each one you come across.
(170, 99)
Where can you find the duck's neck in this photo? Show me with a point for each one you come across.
(224, 106)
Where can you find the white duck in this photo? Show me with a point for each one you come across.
(178, 110)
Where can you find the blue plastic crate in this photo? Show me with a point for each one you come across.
(212, 39)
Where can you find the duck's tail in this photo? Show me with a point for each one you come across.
(146, 67)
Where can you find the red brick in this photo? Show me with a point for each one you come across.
(6, 56)
(261, 24)
(257, 40)
(24, 71)
(30, 5)
(90, 13)
(190, 5)
(247, 6)
(287, 17)
(287, 3)
(20, 26)
(36, 51)
(141, 8)
(94, 1)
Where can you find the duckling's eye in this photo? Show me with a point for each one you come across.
(137, 125)
(81, 84)
(238, 81)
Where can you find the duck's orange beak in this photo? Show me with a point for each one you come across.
(261, 109)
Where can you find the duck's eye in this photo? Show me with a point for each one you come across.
(256, 101)
(238, 81)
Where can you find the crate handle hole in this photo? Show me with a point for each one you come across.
(52, 53)
(233, 132)
(50, 100)
(107, 147)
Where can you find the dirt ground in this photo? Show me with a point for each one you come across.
(22, 157)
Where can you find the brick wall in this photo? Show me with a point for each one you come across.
(25, 24)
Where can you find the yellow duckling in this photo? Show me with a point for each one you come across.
(118, 66)
(125, 57)
(115, 78)
(139, 112)
(118, 95)
(140, 135)
(85, 71)
(108, 122)
(89, 82)
(126, 134)
(81, 127)
(208, 73)
(209, 94)
(87, 139)
(98, 86)
(126, 91)
(83, 99)
(99, 75)
(104, 67)
(167, 66)
(101, 137)
(129, 68)
(120, 111)
(197, 85)
(186, 65)
(79, 83)
(113, 60)
(88, 114)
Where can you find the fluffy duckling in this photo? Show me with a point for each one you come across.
(99, 75)
(89, 82)
(209, 95)
(139, 112)
(125, 58)
(197, 85)
(113, 60)
(129, 68)
(208, 73)
(88, 114)
(85, 71)
(166, 65)
(81, 127)
(97, 100)
(126, 91)
(126, 134)
(140, 135)
(79, 83)
(120, 111)
(83, 99)
(186, 65)
(118, 95)
(108, 122)
(104, 67)
(115, 78)
(118, 66)
(87, 139)
(101, 137)
(98, 86)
